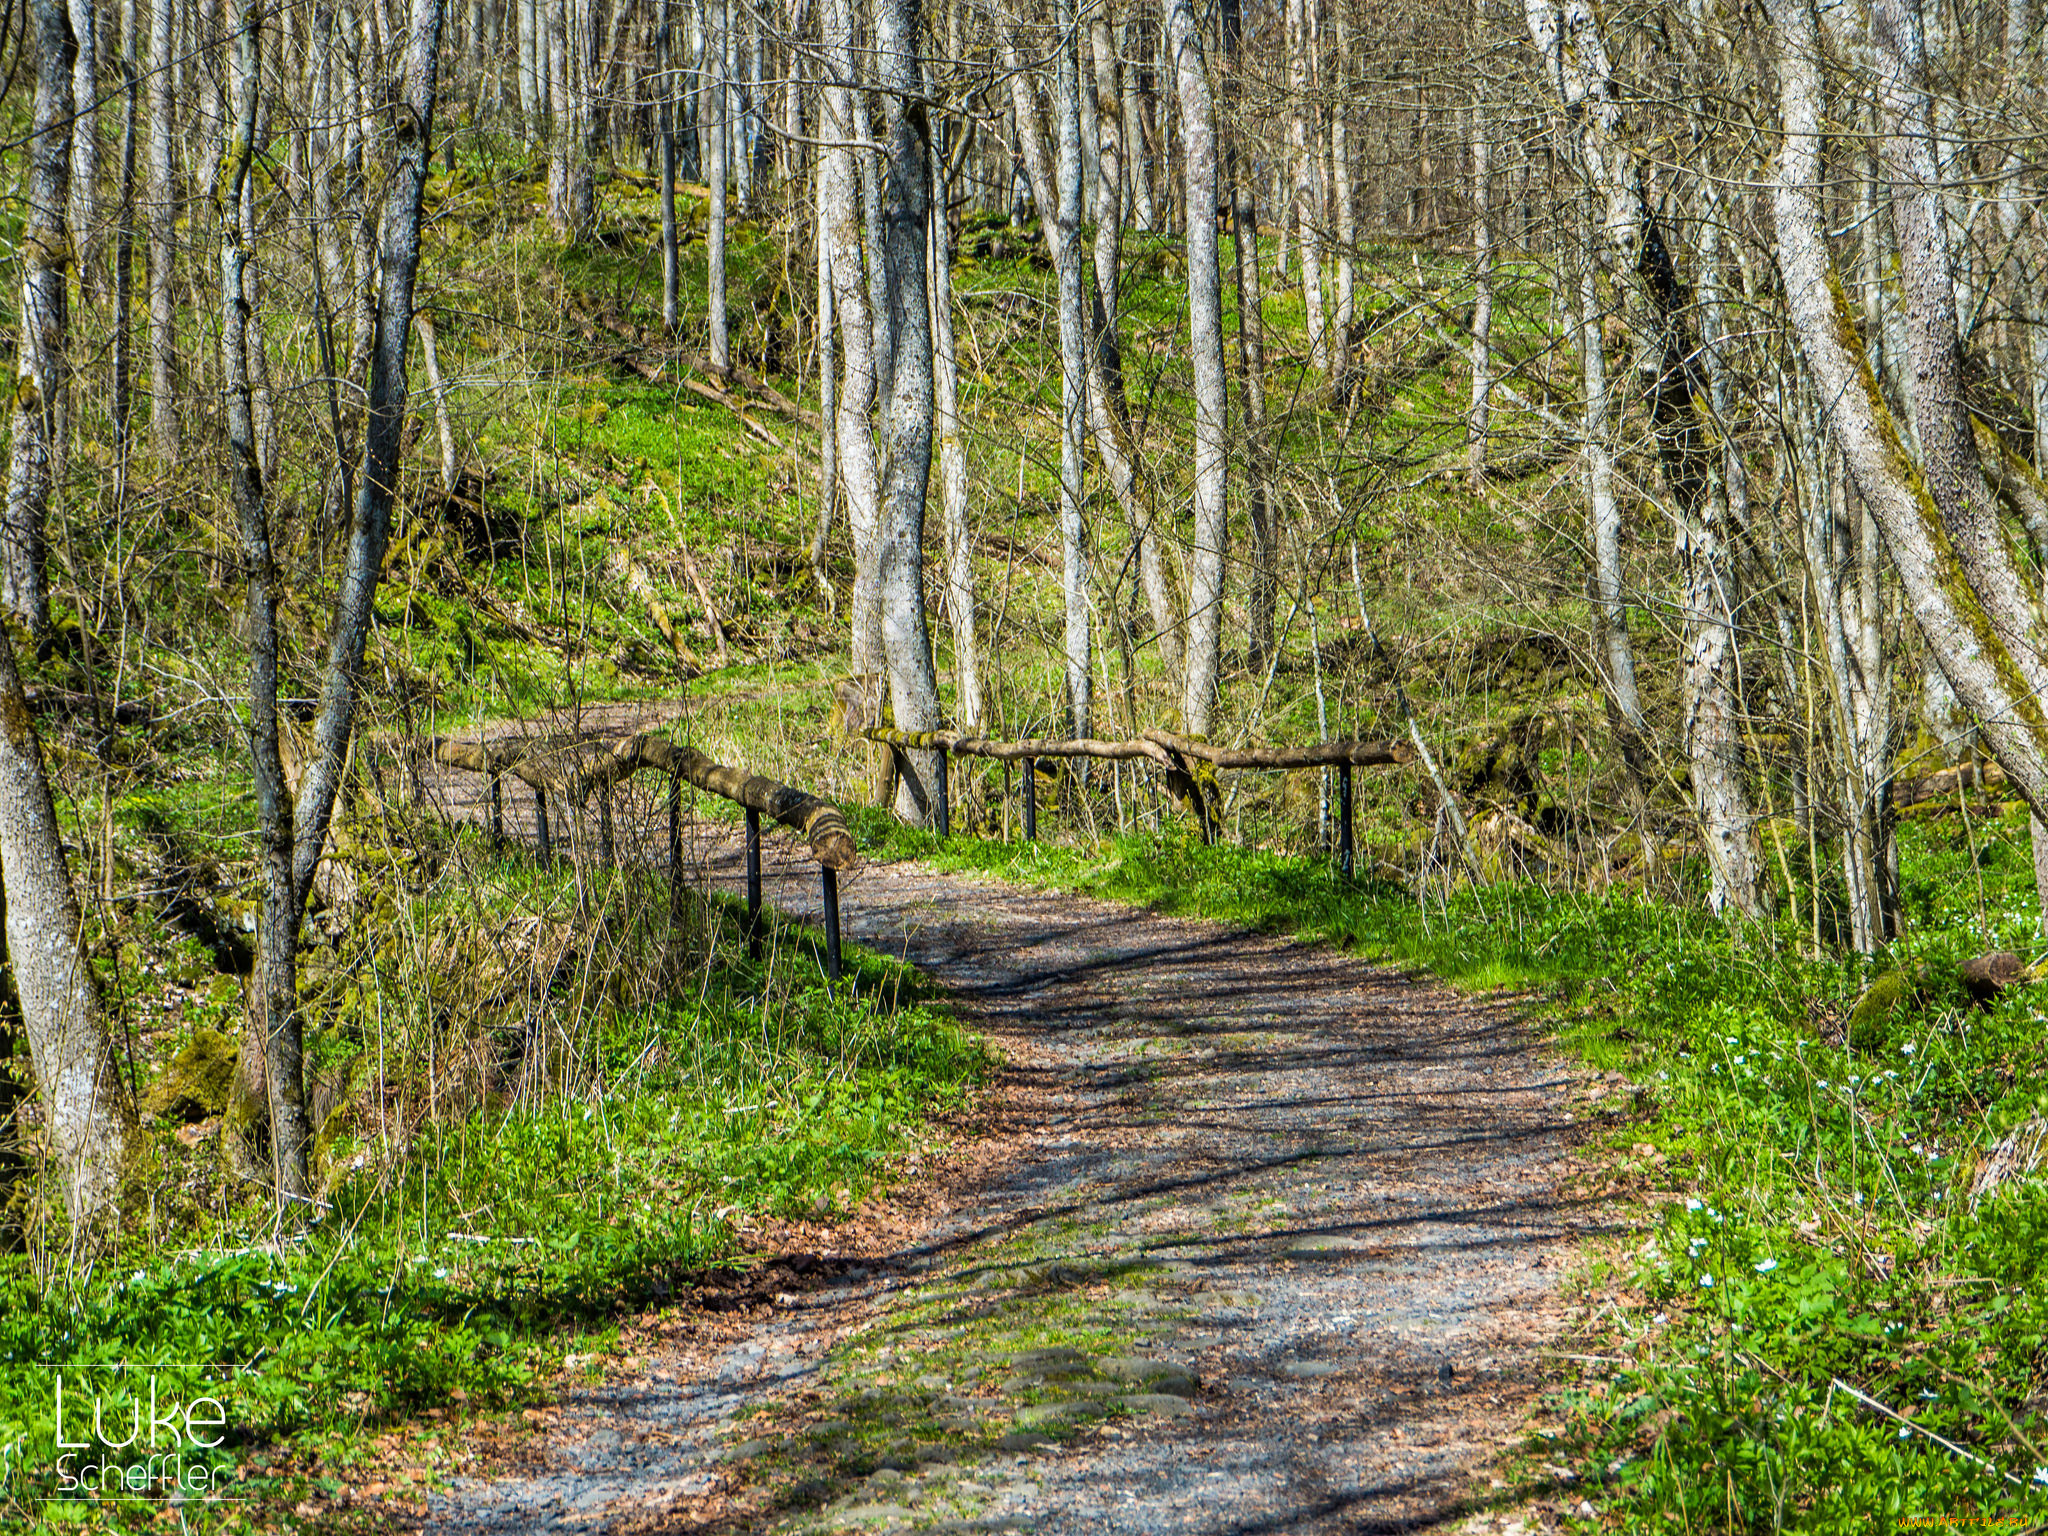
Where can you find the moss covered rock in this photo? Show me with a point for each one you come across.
(1889, 998)
(198, 1081)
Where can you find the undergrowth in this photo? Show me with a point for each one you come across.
(1825, 1321)
(465, 1246)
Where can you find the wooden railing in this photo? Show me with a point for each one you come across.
(573, 768)
(1184, 759)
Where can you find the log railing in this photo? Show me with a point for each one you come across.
(1190, 764)
(572, 768)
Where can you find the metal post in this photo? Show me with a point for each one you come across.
(944, 807)
(675, 845)
(1344, 819)
(753, 883)
(547, 836)
(1030, 800)
(497, 815)
(831, 922)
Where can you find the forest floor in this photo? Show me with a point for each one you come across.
(1245, 1235)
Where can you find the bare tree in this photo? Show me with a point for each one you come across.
(908, 409)
(40, 374)
(1205, 342)
(1074, 574)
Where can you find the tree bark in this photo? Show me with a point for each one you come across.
(665, 97)
(1302, 135)
(85, 149)
(1999, 682)
(1205, 338)
(161, 218)
(40, 374)
(837, 197)
(273, 1016)
(1074, 574)
(1478, 420)
(715, 175)
(907, 419)
(85, 1106)
(958, 536)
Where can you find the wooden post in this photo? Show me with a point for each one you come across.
(497, 816)
(943, 805)
(606, 851)
(675, 845)
(831, 877)
(1344, 819)
(1030, 799)
(547, 836)
(754, 883)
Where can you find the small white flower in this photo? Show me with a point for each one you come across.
(1692, 1205)
(1906, 1049)
(1706, 1280)
(1765, 1266)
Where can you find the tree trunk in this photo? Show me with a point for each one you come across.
(1073, 373)
(1108, 413)
(1263, 579)
(665, 97)
(1997, 680)
(415, 94)
(1343, 198)
(40, 380)
(124, 253)
(1205, 337)
(162, 220)
(1302, 135)
(1478, 420)
(837, 197)
(828, 409)
(715, 176)
(561, 124)
(1136, 139)
(85, 149)
(958, 537)
(273, 1015)
(907, 419)
(86, 1111)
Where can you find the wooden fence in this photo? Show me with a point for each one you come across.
(1190, 765)
(572, 768)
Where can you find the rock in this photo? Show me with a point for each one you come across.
(1153, 1375)
(747, 1450)
(1301, 1369)
(198, 1081)
(1870, 1021)
(1021, 1440)
(1985, 976)
(1159, 1404)
(886, 1477)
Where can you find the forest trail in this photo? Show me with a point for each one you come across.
(1293, 1224)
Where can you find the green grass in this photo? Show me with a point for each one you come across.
(458, 1254)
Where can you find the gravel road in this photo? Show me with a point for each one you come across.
(1343, 1184)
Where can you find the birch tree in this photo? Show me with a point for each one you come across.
(1205, 343)
(1074, 574)
(853, 440)
(1927, 514)
(40, 378)
(908, 409)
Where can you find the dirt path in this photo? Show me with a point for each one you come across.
(1261, 1238)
